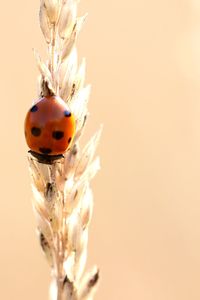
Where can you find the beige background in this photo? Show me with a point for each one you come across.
(144, 64)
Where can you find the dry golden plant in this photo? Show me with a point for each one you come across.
(63, 200)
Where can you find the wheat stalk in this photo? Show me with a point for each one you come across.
(63, 200)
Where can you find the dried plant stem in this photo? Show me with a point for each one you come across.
(63, 200)
(53, 43)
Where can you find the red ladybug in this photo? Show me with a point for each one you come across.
(49, 127)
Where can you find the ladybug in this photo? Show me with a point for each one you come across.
(49, 128)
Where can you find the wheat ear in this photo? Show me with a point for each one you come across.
(63, 199)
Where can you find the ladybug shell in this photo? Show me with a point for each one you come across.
(49, 126)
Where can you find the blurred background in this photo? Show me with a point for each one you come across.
(143, 60)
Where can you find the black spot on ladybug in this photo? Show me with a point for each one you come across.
(34, 108)
(69, 140)
(58, 135)
(35, 131)
(67, 113)
(45, 150)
